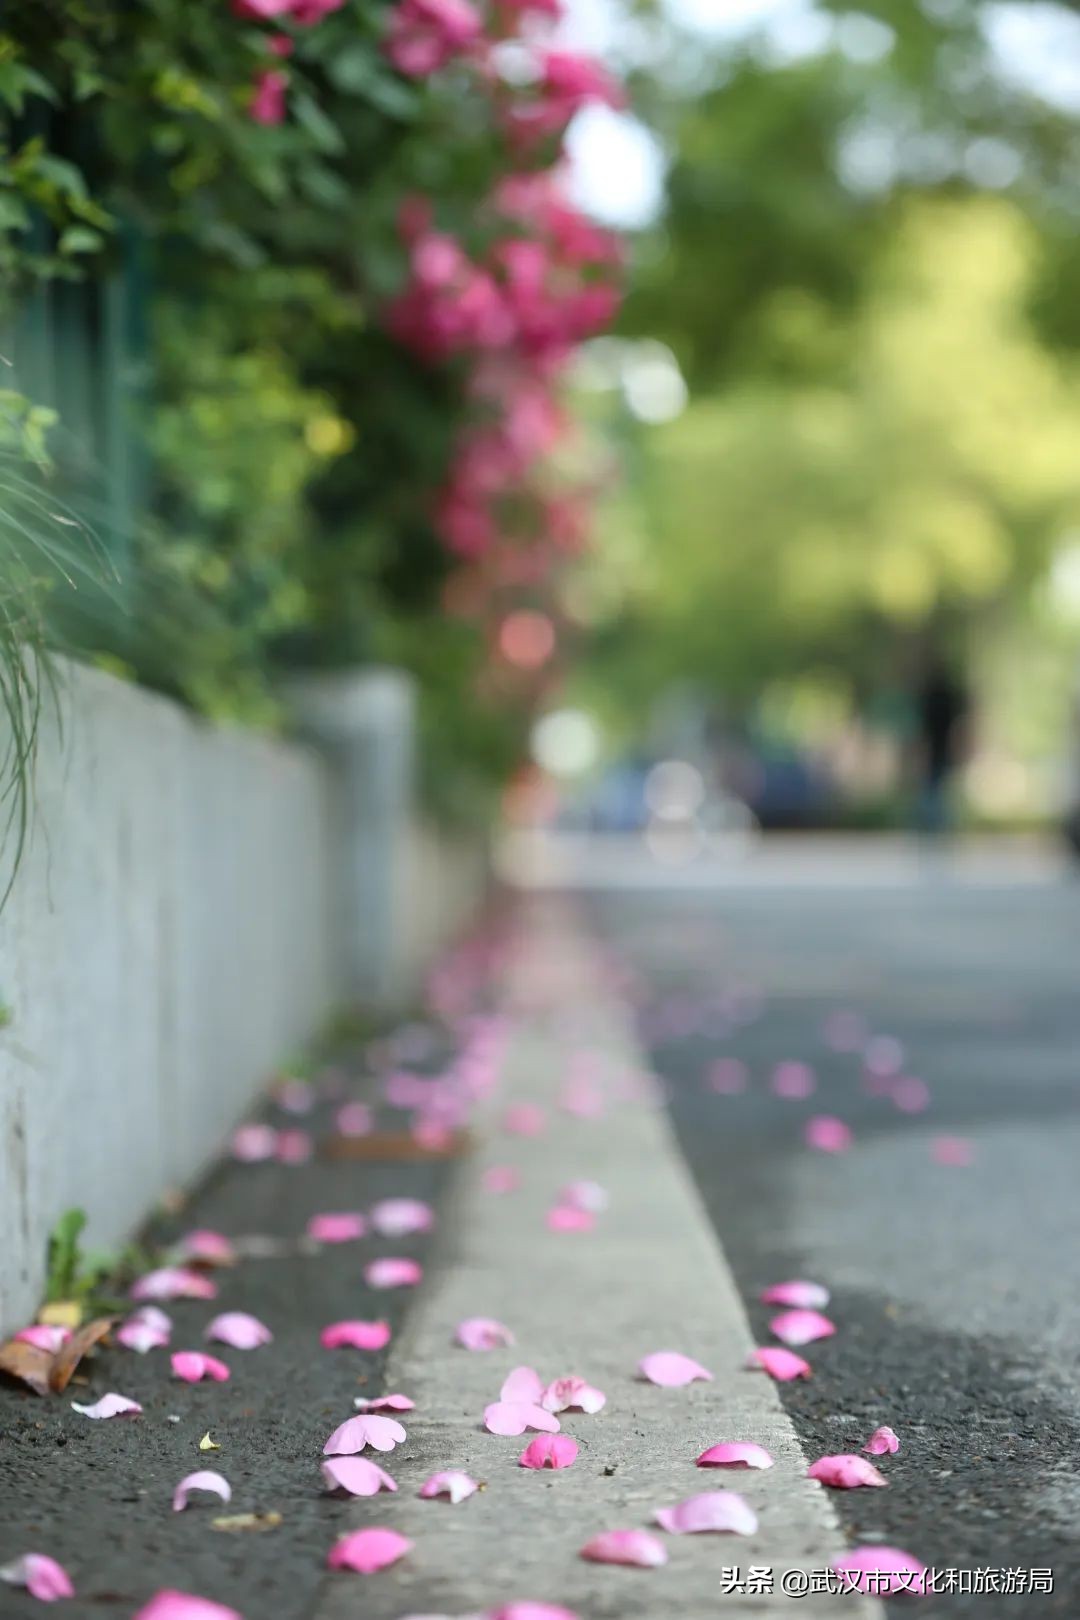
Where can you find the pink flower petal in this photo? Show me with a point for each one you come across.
(568, 1218)
(393, 1273)
(801, 1327)
(483, 1333)
(501, 1178)
(710, 1510)
(380, 1433)
(735, 1454)
(357, 1475)
(572, 1394)
(43, 1336)
(880, 1570)
(192, 1366)
(828, 1134)
(522, 1384)
(587, 1195)
(728, 1077)
(911, 1096)
(807, 1296)
(354, 1119)
(782, 1365)
(368, 1550)
(881, 1441)
(549, 1451)
(398, 1217)
(145, 1329)
(385, 1403)
(174, 1282)
(356, 1335)
(671, 1369)
(452, 1483)
(952, 1150)
(526, 1611)
(524, 1119)
(42, 1577)
(637, 1547)
(240, 1330)
(206, 1248)
(793, 1080)
(293, 1147)
(514, 1417)
(169, 1604)
(109, 1406)
(883, 1055)
(344, 1228)
(253, 1143)
(845, 1472)
(204, 1480)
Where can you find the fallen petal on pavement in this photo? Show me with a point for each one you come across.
(805, 1296)
(42, 1577)
(174, 1282)
(384, 1403)
(393, 1273)
(343, 1228)
(356, 1335)
(572, 1394)
(451, 1483)
(881, 1441)
(366, 1551)
(880, 1569)
(801, 1327)
(845, 1472)
(483, 1333)
(735, 1454)
(637, 1547)
(724, 1511)
(780, 1364)
(169, 1604)
(380, 1433)
(193, 1366)
(828, 1134)
(671, 1369)
(204, 1480)
(549, 1451)
(514, 1417)
(238, 1329)
(109, 1406)
(397, 1217)
(357, 1475)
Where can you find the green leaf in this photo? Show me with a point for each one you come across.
(323, 131)
(80, 239)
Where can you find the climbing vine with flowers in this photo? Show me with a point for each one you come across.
(364, 285)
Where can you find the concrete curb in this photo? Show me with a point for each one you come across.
(650, 1276)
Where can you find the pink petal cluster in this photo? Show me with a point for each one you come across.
(549, 1451)
(883, 1441)
(174, 1282)
(424, 35)
(518, 1407)
(572, 1394)
(380, 1433)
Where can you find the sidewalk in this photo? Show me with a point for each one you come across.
(648, 1276)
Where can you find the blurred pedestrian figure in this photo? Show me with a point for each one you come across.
(942, 712)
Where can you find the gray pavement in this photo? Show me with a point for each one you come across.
(955, 1288)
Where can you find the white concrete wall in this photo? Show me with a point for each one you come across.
(166, 944)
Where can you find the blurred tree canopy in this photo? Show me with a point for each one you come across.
(868, 271)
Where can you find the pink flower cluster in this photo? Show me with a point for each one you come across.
(268, 98)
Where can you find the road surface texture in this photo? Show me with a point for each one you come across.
(955, 1288)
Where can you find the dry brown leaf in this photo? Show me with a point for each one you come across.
(27, 1363)
(69, 1355)
(398, 1147)
(258, 1522)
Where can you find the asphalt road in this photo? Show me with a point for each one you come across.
(956, 1289)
